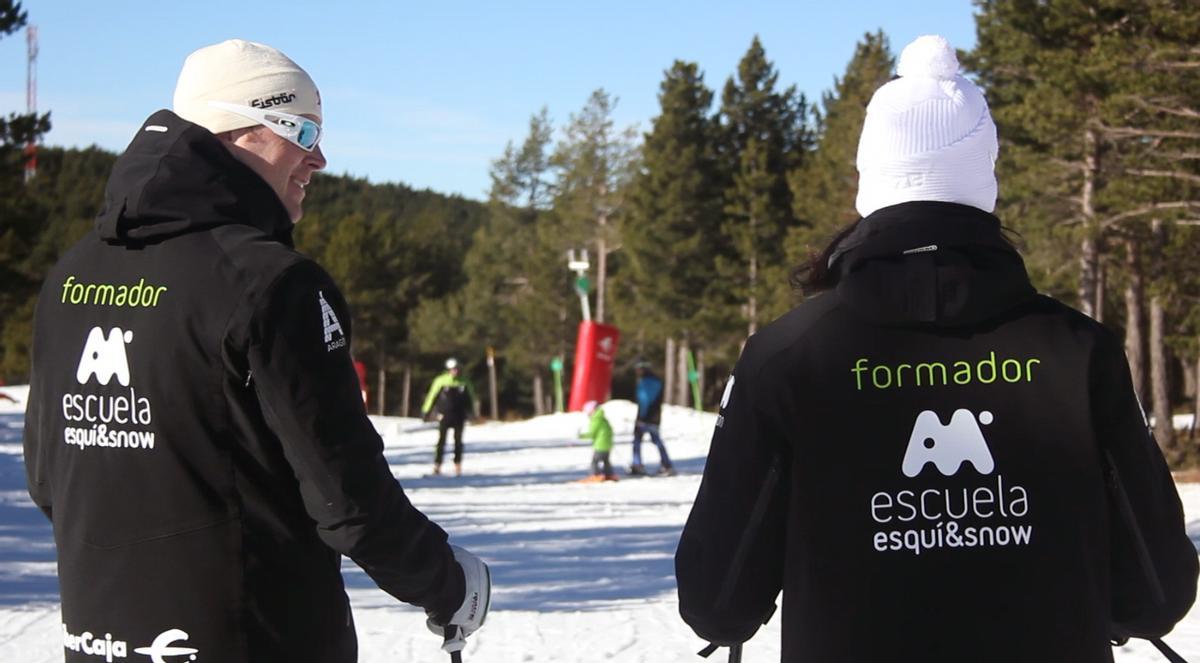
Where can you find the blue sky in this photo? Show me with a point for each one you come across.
(428, 93)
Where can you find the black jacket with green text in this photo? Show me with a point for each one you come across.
(196, 432)
(917, 459)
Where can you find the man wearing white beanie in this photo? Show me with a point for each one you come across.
(195, 430)
(931, 461)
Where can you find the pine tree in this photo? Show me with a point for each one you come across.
(1096, 112)
(21, 226)
(673, 224)
(1049, 69)
(825, 186)
(594, 162)
(764, 136)
(517, 295)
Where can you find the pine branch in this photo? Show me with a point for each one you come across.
(1147, 209)
(1178, 111)
(1133, 132)
(1174, 174)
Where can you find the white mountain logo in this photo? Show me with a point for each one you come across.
(105, 357)
(948, 446)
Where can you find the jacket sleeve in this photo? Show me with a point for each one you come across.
(36, 449)
(593, 428)
(306, 383)
(474, 407)
(434, 388)
(1154, 564)
(729, 564)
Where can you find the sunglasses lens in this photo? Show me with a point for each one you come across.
(309, 133)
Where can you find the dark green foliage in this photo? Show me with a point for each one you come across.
(12, 17)
(20, 223)
(764, 136)
(825, 186)
(387, 245)
(673, 226)
(517, 297)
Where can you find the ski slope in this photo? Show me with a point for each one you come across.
(583, 572)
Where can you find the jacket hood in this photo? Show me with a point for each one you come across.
(176, 177)
(930, 263)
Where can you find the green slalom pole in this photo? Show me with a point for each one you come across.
(694, 378)
(556, 367)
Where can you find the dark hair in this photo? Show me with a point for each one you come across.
(815, 275)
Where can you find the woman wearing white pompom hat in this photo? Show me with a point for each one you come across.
(930, 460)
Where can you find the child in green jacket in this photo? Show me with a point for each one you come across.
(600, 433)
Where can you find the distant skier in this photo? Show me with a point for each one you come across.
(649, 400)
(451, 400)
(932, 461)
(195, 429)
(600, 432)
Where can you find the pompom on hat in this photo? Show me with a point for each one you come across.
(928, 135)
(243, 73)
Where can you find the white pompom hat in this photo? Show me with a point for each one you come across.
(243, 73)
(928, 135)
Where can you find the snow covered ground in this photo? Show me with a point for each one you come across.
(583, 572)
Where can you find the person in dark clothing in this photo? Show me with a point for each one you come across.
(195, 431)
(451, 400)
(649, 414)
(929, 459)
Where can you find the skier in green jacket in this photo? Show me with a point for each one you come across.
(600, 433)
(451, 399)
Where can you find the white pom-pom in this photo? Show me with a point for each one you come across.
(930, 56)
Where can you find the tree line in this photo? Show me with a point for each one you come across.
(695, 225)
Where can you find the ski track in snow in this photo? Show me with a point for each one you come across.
(582, 572)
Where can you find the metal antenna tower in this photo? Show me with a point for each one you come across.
(31, 98)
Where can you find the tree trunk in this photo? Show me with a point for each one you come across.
(1191, 376)
(681, 374)
(1089, 249)
(1135, 293)
(752, 301)
(669, 371)
(601, 277)
(491, 365)
(406, 390)
(601, 252)
(1101, 286)
(700, 374)
(1196, 402)
(382, 390)
(539, 406)
(1164, 429)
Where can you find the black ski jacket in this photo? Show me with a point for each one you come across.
(195, 429)
(917, 460)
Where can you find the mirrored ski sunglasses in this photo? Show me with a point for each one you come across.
(296, 129)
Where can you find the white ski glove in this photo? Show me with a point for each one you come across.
(476, 601)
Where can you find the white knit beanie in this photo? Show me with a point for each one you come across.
(927, 136)
(244, 73)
